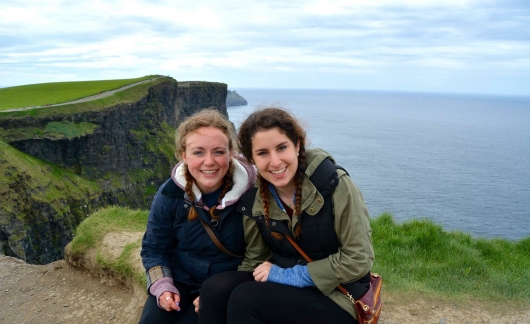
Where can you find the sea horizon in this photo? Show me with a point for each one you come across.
(457, 159)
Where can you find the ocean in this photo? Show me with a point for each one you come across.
(462, 161)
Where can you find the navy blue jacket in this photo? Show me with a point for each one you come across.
(183, 247)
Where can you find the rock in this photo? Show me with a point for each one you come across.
(234, 99)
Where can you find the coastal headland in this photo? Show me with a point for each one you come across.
(76, 183)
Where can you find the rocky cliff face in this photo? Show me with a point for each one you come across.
(235, 99)
(58, 168)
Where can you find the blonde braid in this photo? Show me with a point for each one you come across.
(189, 186)
(228, 183)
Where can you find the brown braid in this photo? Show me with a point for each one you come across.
(264, 189)
(228, 183)
(189, 185)
(263, 186)
(299, 179)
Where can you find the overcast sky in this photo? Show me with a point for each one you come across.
(428, 45)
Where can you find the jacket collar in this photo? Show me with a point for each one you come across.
(244, 177)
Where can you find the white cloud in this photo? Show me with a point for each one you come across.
(247, 41)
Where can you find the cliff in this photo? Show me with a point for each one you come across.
(235, 99)
(60, 164)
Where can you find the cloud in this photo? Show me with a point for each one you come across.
(247, 41)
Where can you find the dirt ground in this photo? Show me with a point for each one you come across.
(58, 293)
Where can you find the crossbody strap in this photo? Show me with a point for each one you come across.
(211, 234)
(308, 259)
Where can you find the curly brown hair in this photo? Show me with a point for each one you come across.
(287, 124)
(204, 118)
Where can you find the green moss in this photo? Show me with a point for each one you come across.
(160, 142)
(68, 130)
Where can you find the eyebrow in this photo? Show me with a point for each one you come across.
(204, 149)
(279, 144)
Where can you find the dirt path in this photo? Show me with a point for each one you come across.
(57, 293)
(91, 98)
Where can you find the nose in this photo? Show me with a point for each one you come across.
(208, 159)
(275, 160)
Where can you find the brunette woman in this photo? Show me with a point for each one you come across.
(205, 186)
(300, 193)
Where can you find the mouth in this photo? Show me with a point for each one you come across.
(209, 172)
(278, 172)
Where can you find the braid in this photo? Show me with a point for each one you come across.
(299, 179)
(189, 185)
(265, 197)
(228, 183)
(264, 188)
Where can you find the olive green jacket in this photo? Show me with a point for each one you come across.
(355, 256)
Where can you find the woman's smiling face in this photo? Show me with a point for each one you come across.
(208, 156)
(276, 158)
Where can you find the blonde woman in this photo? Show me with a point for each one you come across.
(177, 252)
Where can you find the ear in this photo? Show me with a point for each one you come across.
(297, 146)
(183, 154)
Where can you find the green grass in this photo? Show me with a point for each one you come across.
(57, 92)
(126, 96)
(42, 180)
(417, 256)
(106, 220)
(90, 234)
(420, 256)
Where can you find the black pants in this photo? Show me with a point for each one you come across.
(247, 301)
(152, 314)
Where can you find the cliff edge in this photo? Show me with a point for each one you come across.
(60, 164)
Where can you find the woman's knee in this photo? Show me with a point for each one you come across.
(246, 295)
(221, 285)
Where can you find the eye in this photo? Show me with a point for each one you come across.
(282, 147)
(219, 152)
(261, 153)
(197, 152)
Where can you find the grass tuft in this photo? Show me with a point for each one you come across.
(106, 220)
(419, 255)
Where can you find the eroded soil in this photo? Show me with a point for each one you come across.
(58, 293)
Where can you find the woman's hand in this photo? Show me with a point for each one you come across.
(196, 304)
(169, 301)
(261, 273)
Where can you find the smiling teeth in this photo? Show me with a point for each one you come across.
(208, 172)
(279, 171)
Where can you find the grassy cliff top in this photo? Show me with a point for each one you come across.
(58, 92)
(415, 256)
(129, 95)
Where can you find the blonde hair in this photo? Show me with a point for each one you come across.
(204, 118)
